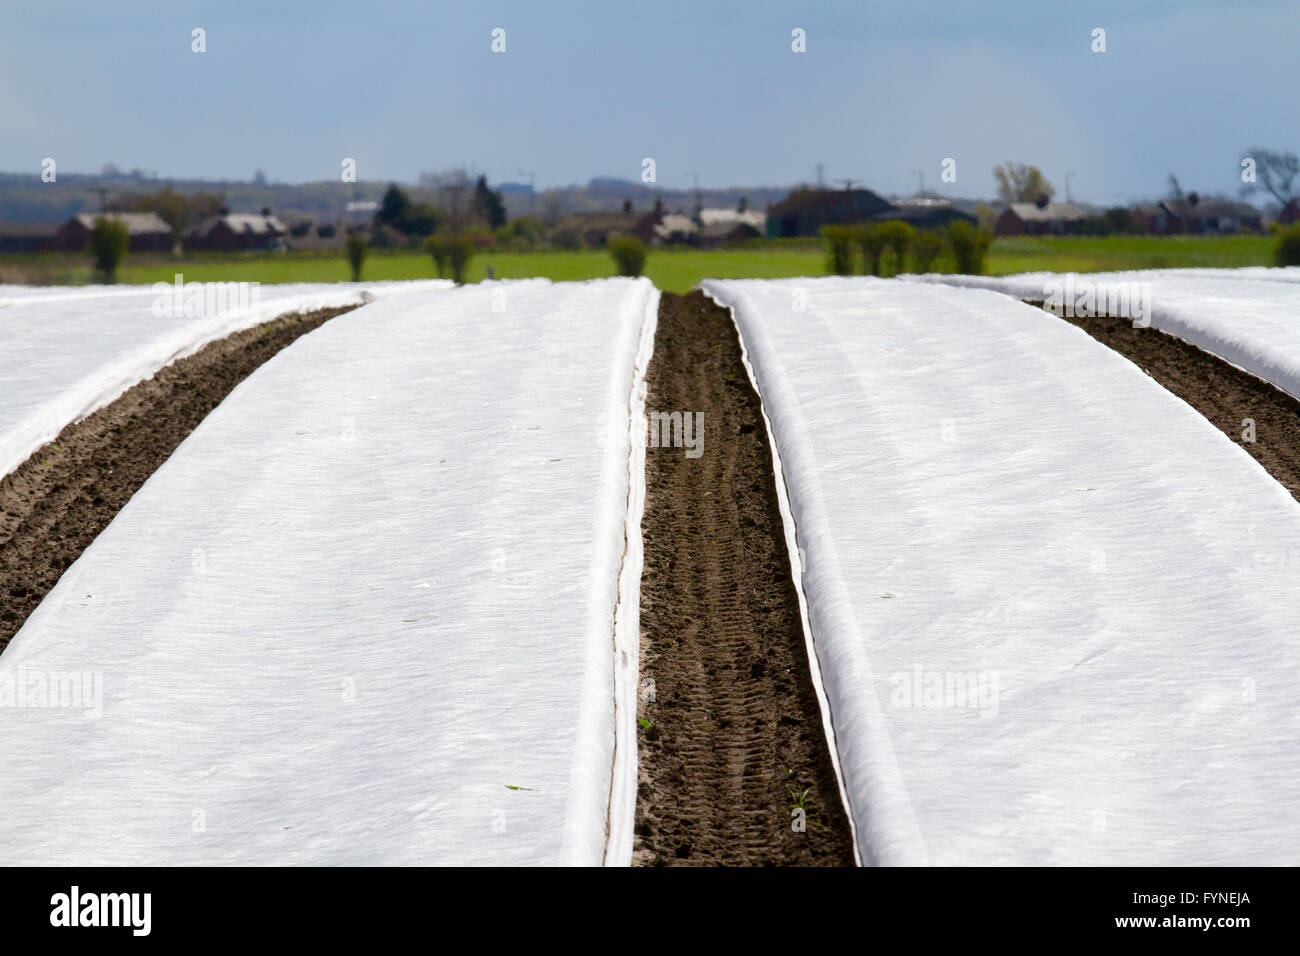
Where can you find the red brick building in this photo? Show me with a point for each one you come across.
(146, 231)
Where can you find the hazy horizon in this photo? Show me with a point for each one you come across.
(587, 90)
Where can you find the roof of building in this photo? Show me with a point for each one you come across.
(863, 200)
(733, 217)
(241, 222)
(137, 223)
(1053, 211)
(675, 224)
(1224, 207)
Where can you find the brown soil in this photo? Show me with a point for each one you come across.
(1221, 392)
(57, 501)
(735, 735)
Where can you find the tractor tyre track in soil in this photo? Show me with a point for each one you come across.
(731, 738)
(1223, 393)
(55, 503)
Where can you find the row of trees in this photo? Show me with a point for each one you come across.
(459, 205)
(885, 248)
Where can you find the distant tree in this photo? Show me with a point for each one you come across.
(1286, 252)
(454, 192)
(409, 218)
(178, 210)
(422, 219)
(552, 208)
(488, 204)
(393, 208)
(969, 247)
(1018, 182)
(986, 215)
(629, 254)
(566, 237)
(109, 240)
(898, 237)
(356, 246)
(872, 238)
(839, 249)
(1175, 192)
(436, 246)
(522, 233)
(926, 248)
(1275, 173)
(451, 253)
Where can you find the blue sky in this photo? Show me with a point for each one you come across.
(590, 88)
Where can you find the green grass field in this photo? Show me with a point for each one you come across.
(675, 270)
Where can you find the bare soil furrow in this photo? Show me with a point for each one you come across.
(731, 738)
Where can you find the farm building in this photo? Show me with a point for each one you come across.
(27, 236)
(1225, 216)
(721, 226)
(925, 213)
(232, 232)
(1029, 219)
(674, 228)
(805, 211)
(147, 232)
(1152, 218)
(306, 233)
(1212, 216)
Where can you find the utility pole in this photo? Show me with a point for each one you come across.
(821, 179)
(699, 199)
(1068, 177)
(920, 180)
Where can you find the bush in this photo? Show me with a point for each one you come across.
(436, 246)
(451, 254)
(839, 249)
(1286, 251)
(873, 238)
(567, 238)
(629, 254)
(524, 233)
(926, 247)
(898, 237)
(108, 244)
(970, 247)
(356, 254)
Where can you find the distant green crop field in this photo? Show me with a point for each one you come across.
(674, 270)
(1110, 253)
